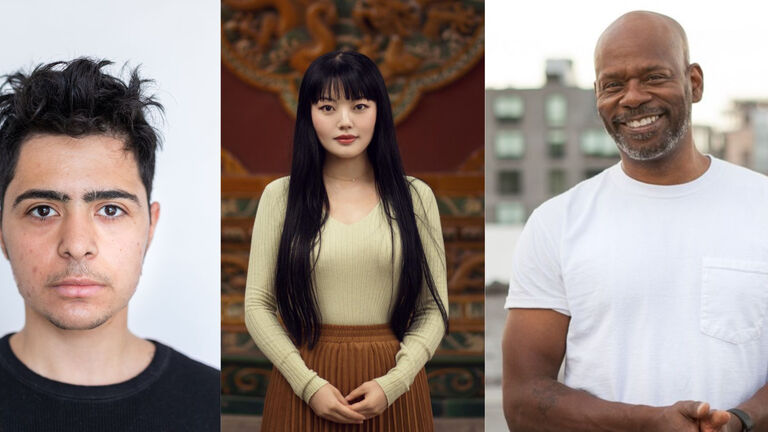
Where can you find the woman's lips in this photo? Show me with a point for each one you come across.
(346, 139)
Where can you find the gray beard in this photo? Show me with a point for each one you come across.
(672, 138)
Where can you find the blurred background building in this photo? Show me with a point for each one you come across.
(746, 143)
(540, 142)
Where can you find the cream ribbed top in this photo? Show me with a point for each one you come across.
(355, 285)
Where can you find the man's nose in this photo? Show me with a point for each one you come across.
(634, 95)
(77, 238)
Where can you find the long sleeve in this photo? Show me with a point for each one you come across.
(260, 304)
(427, 330)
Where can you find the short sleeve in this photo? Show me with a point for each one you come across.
(536, 281)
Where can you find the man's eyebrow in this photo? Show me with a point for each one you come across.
(41, 194)
(643, 71)
(108, 195)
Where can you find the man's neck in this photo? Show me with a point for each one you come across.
(108, 354)
(681, 166)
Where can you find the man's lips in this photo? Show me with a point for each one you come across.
(639, 124)
(631, 117)
(78, 287)
(345, 139)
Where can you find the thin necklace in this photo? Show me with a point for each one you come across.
(353, 179)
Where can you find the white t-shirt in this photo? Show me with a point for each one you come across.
(666, 286)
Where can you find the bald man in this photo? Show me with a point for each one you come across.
(650, 279)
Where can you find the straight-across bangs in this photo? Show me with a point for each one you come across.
(338, 79)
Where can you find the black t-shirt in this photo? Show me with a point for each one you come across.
(174, 393)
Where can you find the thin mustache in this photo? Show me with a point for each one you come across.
(638, 112)
(77, 270)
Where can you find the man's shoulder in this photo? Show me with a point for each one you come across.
(555, 208)
(183, 367)
(188, 385)
(737, 175)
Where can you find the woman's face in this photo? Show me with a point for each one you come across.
(344, 127)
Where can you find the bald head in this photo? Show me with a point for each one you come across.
(643, 25)
(645, 86)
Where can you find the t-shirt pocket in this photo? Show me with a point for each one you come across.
(734, 299)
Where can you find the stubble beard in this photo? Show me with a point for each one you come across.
(79, 326)
(667, 145)
(59, 317)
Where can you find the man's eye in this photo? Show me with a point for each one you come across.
(43, 212)
(110, 211)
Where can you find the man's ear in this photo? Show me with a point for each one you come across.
(697, 82)
(154, 215)
(2, 241)
(2, 237)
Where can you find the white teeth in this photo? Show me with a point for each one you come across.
(642, 122)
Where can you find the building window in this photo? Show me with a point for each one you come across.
(510, 144)
(556, 110)
(597, 142)
(508, 107)
(557, 183)
(556, 143)
(509, 182)
(510, 213)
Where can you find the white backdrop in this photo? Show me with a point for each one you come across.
(177, 44)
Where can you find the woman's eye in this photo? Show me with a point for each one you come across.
(361, 106)
(43, 212)
(326, 108)
(110, 211)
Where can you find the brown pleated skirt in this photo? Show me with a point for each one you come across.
(347, 356)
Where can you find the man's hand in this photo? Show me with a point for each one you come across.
(689, 416)
(374, 400)
(719, 421)
(329, 404)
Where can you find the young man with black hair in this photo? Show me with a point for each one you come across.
(77, 157)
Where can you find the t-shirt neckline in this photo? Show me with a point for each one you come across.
(28, 377)
(629, 184)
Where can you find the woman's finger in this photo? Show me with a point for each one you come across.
(356, 393)
(348, 414)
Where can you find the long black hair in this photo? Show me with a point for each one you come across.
(354, 76)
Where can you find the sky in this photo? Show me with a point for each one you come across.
(727, 39)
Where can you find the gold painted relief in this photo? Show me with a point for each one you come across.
(418, 45)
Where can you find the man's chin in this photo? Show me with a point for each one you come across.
(78, 323)
(643, 148)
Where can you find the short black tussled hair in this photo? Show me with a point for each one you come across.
(76, 99)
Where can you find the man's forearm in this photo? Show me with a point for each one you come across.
(757, 408)
(544, 405)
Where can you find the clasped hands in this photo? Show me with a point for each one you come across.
(695, 416)
(366, 401)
